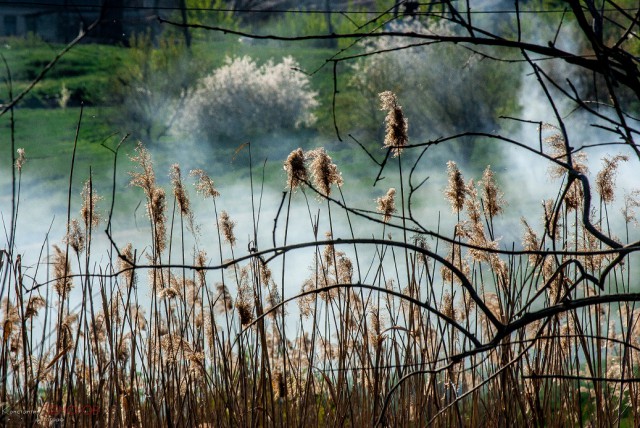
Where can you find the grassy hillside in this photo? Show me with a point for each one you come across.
(85, 71)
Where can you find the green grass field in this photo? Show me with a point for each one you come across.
(47, 136)
(85, 71)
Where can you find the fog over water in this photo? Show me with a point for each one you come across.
(522, 175)
(524, 180)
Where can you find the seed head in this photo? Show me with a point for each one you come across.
(492, 301)
(173, 289)
(605, 180)
(396, 124)
(244, 303)
(273, 300)
(88, 211)
(75, 236)
(324, 171)
(472, 205)
(421, 242)
(491, 194)
(156, 213)
(65, 333)
(329, 252)
(461, 264)
(631, 202)
(455, 191)
(21, 159)
(279, 385)
(137, 316)
(10, 312)
(575, 196)
(200, 263)
(375, 327)
(122, 353)
(387, 204)
(61, 272)
(35, 304)
(559, 151)
(586, 242)
(124, 264)
(447, 307)
(226, 227)
(244, 312)
(305, 302)
(146, 179)
(466, 306)
(179, 191)
(223, 301)
(530, 242)
(265, 274)
(205, 185)
(345, 269)
(173, 347)
(296, 170)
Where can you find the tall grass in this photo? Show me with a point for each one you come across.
(407, 326)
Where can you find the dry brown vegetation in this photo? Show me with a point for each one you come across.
(427, 329)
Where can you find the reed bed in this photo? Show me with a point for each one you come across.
(407, 326)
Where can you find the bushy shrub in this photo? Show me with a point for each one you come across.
(241, 98)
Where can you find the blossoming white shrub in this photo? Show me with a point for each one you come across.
(242, 98)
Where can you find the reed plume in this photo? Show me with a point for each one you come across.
(146, 178)
(396, 124)
(387, 204)
(605, 180)
(90, 199)
(296, 170)
(456, 190)
(204, 185)
(75, 236)
(324, 171)
(226, 227)
(61, 272)
(21, 159)
(179, 192)
(492, 196)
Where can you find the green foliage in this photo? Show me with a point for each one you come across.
(618, 24)
(47, 137)
(444, 89)
(150, 88)
(205, 12)
(85, 71)
(310, 23)
(317, 22)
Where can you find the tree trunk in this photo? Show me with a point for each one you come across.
(332, 43)
(185, 29)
